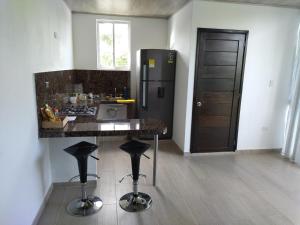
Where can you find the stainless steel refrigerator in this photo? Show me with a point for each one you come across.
(155, 89)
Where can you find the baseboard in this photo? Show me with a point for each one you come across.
(247, 151)
(43, 205)
(178, 148)
(207, 153)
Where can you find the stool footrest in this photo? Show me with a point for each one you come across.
(130, 175)
(146, 156)
(89, 175)
(142, 175)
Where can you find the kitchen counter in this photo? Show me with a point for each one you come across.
(85, 126)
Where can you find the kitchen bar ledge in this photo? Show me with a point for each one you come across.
(90, 127)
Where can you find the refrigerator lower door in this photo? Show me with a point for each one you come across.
(160, 100)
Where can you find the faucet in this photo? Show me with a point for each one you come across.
(115, 92)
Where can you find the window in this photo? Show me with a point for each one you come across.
(113, 45)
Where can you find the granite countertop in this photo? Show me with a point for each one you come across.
(90, 126)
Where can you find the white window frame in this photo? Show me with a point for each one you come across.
(127, 68)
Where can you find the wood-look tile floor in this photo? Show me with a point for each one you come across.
(219, 189)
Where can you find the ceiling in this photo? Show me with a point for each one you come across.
(153, 8)
(146, 8)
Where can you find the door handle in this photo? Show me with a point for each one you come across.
(199, 104)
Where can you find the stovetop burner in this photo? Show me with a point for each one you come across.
(79, 110)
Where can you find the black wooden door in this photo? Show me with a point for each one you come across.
(217, 91)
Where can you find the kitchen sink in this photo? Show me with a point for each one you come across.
(112, 112)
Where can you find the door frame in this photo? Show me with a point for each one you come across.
(229, 31)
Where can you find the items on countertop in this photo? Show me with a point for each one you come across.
(124, 101)
(50, 119)
(78, 98)
(76, 104)
(48, 114)
(125, 93)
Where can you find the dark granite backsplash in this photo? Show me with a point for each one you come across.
(98, 82)
(95, 81)
(53, 87)
(49, 85)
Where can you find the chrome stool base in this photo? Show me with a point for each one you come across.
(131, 203)
(89, 206)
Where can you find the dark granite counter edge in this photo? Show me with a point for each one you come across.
(57, 134)
(89, 128)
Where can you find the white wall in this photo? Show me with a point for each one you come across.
(272, 34)
(27, 46)
(145, 33)
(180, 28)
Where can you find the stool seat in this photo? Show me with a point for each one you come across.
(81, 152)
(135, 147)
(81, 149)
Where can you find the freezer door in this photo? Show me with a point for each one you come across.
(158, 64)
(160, 100)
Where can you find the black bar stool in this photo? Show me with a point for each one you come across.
(84, 205)
(135, 201)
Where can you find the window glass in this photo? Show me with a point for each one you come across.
(121, 45)
(106, 45)
(113, 45)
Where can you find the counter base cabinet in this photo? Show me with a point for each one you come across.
(63, 165)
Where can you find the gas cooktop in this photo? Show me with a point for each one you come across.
(77, 110)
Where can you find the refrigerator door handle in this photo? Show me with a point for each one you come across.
(144, 87)
(144, 94)
(160, 92)
(144, 72)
